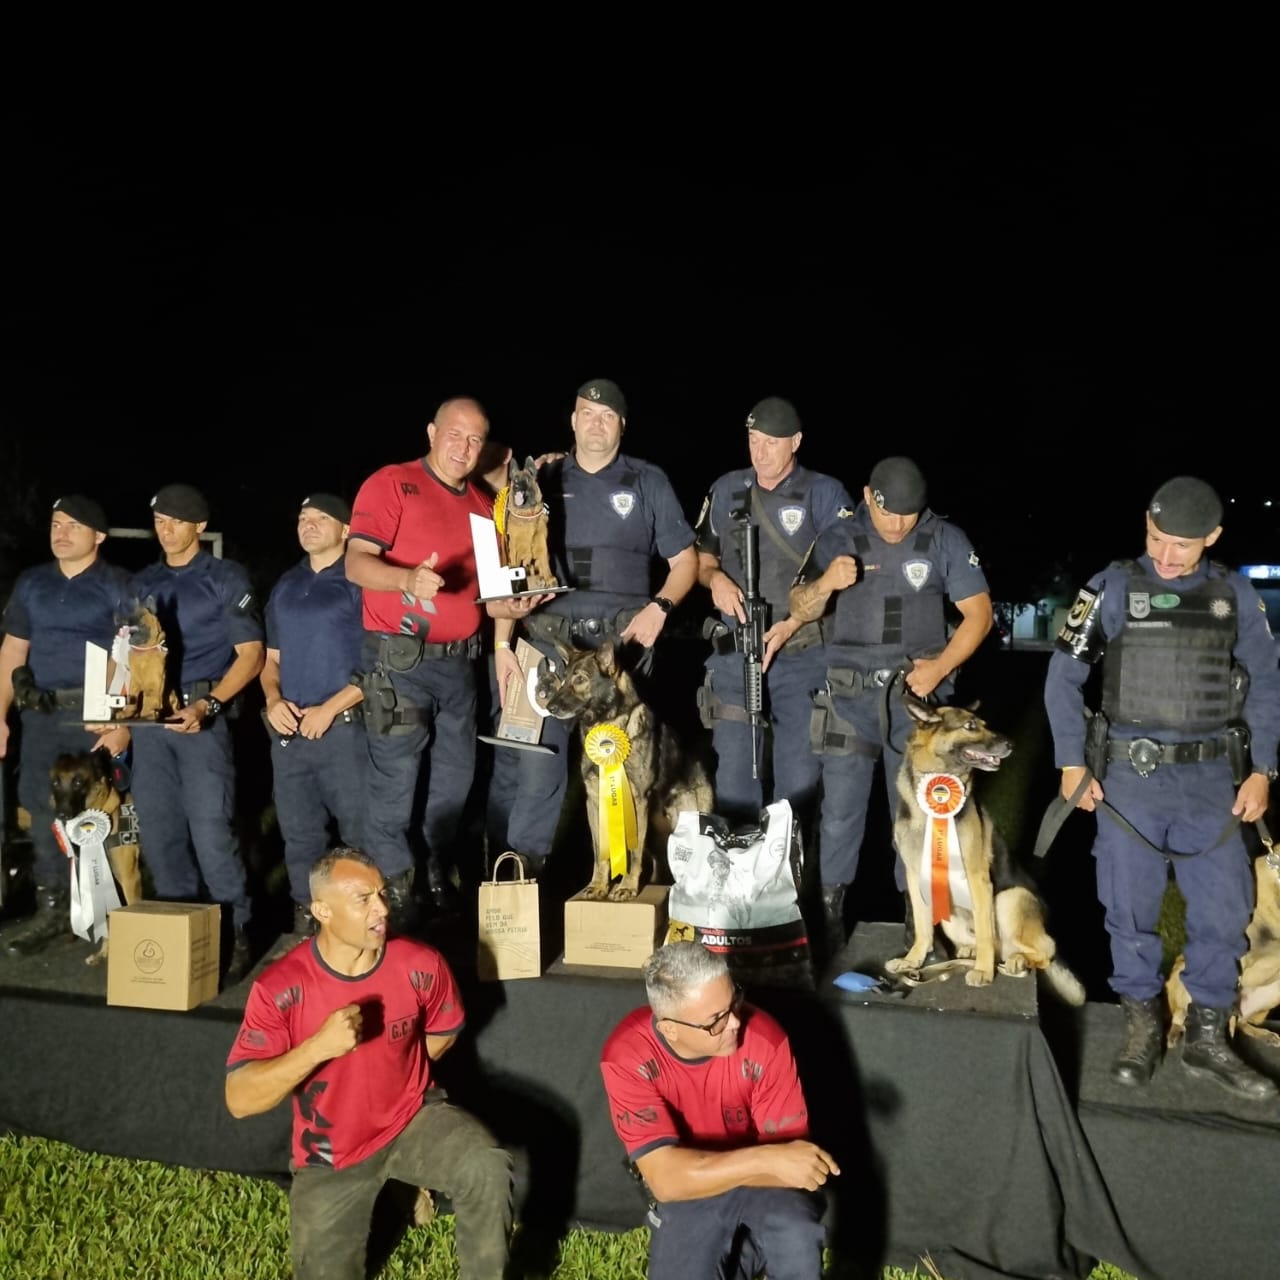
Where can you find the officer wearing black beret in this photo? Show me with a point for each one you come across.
(184, 771)
(1179, 638)
(319, 751)
(620, 539)
(780, 506)
(887, 634)
(53, 611)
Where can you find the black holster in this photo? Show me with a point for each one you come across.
(1095, 744)
(379, 700)
(1238, 753)
(27, 695)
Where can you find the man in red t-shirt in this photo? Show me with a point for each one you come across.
(411, 551)
(705, 1097)
(348, 1024)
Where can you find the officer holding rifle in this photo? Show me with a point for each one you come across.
(753, 532)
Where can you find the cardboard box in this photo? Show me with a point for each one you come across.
(620, 935)
(163, 955)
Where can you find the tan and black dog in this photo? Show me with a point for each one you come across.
(1259, 987)
(1005, 925)
(525, 520)
(151, 696)
(85, 780)
(593, 689)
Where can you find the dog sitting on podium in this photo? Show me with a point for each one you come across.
(593, 689)
(149, 693)
(959, 871)
(84, 780)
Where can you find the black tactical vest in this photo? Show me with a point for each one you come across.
(900, 604)
(1169, 668)
(777, 569)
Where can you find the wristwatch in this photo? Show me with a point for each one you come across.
(663, 603)
(215, 706)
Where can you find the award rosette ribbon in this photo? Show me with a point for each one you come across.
(942, 796)
(608, 747)
(93, 889)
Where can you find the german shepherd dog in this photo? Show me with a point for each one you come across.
(594, 689)
(86, 780)
(1259, 987)
(150, 695)
(525, 526)
(1005, 924)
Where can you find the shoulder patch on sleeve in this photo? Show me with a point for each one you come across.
(1082, 607)
(245, 602)
(845, 513)
(973, 559)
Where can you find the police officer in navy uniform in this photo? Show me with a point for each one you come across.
(184, 775)
(788, 506)
(319, 753)
(613, 518)
(888, 633)
(54, 610)
(1180, 639)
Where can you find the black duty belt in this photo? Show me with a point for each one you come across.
(65, 698)
(845, 682)
(415, 650)
(1145, 754)
(553, 627)
(807, 637)
(194, 692)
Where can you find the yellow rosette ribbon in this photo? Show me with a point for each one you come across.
(608, 747)
(500, 510)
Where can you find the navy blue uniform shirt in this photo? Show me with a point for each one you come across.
(206, 607)
(315, 621)
(57, 615)
(1254, 649)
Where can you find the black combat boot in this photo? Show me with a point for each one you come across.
(241, 957)
(304, 923)
(440, 887)
(52, 919)
(1144, 1038)
(402, 909)
(833, 934)
(1208, 1055)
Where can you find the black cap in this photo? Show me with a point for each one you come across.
(607, 393)
(181, 502)
(83, 510)
(897, 486)
(330, 504)
(774, 416)
(1186, 507)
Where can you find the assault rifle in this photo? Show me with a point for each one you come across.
(749, 636)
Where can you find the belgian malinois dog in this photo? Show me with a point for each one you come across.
(1259, 988)
(995, 917)
(86, 780)
(525, 520)
(594, 689)
(150, 696)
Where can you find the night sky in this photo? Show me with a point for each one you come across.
(1052, 310)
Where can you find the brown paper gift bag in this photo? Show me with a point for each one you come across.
(510, 939)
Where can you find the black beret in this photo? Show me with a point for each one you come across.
(1186, 507)
(607, 393)
(181, 502)
(331, 505)
(897, 486)
(774, 416)
(83, 510)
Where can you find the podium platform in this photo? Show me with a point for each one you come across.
(977, 1125)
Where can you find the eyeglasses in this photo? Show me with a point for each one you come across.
(720, 1021)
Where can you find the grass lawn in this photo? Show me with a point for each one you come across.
(68, 1215)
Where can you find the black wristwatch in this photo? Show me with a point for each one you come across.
(663, 603)
(215, 706)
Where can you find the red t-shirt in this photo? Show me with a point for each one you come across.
(352, 1106)
(408, 511)
(659, 1100)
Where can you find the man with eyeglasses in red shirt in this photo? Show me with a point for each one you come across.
(704, 1095)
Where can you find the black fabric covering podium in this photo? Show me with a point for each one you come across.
(953, 1119)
